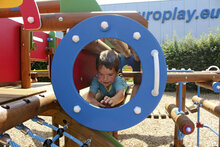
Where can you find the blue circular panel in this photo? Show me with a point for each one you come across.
(121, 28)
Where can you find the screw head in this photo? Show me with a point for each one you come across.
(136, 35)
(188, 129)
(76, 109)
(137, 110)
(30, 19)
(75, 38)
(104, 25)
(60, 18)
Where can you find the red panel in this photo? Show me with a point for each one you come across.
(29, 9)
(41, 39)
(84, 69)
(58, 41)
(9, 50)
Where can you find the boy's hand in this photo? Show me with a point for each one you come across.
(108, 101)
(96, 103)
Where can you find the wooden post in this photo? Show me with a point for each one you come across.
(179, 143)
(25, 58)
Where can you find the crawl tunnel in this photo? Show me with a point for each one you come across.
(154, 72)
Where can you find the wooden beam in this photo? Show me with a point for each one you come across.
(181, 121)
(207, 85)
(43, 6)
(207, 105)
(120, 46)
(22, 110)
(96, 47)
(173, 77)
(71, 19)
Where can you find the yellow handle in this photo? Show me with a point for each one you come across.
(10, 3)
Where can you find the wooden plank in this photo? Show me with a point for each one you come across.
(9, 95)
(192, 108)
(83, 133)
(12, 93)
(155, 114)
(162, 114)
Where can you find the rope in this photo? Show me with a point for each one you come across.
(36, 136)
(26, 130)
(7, 137)
(13, 144)
(35, 119)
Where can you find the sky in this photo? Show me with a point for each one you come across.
(102, 2)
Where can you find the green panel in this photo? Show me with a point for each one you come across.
(79, 6)
(31, 40)
(53, 42)
(109, 44)
(111, 138)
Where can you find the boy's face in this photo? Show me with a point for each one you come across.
(106, 76)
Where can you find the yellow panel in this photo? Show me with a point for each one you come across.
(10, 3)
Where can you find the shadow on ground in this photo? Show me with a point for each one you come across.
(45, 135)
(151, 141)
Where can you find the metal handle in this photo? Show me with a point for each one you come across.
(155, 91)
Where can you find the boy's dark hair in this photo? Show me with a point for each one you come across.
(109, 58)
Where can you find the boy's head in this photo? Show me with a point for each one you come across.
(107, 65)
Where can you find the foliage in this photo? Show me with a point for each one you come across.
(40, 66)
(196, 54)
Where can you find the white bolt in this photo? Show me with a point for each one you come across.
(75, 38)
(137, 110)
(186, 77)
(188, 130)
(136, 35)
(30, 19)
(104, 25)
(77, 109)
(60, 18)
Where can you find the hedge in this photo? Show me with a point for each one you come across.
(196, 54)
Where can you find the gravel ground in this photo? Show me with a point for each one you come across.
(149, 133)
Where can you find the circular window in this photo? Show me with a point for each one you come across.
(153, 76)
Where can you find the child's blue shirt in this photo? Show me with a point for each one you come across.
(119, 84)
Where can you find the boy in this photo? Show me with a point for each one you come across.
(111, 86)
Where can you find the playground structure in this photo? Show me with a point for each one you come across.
(70, 68)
